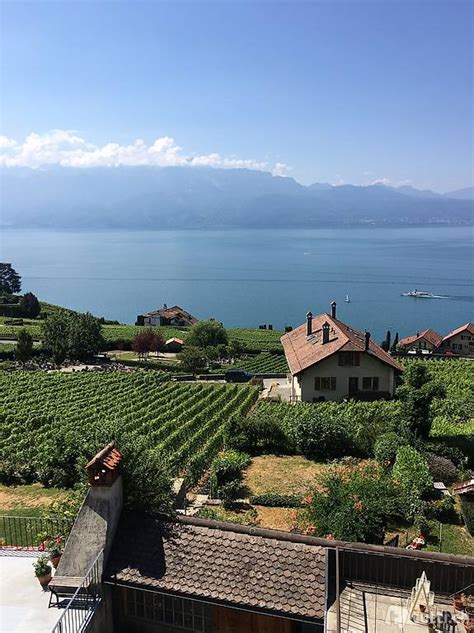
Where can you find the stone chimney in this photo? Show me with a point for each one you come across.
(325, 333)
(333, 309)
(367, 340)
(309, 323)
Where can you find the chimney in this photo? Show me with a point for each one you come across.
(325, 333)
(333, 309)
(309, 323)
(418, 334)
(367, 339)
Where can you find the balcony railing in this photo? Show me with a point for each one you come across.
(31, 533)
(81, 607)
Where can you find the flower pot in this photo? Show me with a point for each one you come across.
(55, 561)
(44, 580)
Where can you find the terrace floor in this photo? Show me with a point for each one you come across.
(369, 609)
(23, 602)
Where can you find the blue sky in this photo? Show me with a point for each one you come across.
(336, 91)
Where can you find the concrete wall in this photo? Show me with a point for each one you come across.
(369, 366)
(93, 530)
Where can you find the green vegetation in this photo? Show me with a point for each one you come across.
(73, 335)
(226, 474)
(53, 423)
(263, 363)
(207, 334)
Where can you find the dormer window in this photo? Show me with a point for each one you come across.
(349, 359)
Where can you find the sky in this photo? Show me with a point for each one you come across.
(330, 91)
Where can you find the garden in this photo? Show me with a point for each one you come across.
(358, 471)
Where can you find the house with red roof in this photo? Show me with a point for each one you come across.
(427, 340)
(175, 315)
(460, 341)
(330, 360)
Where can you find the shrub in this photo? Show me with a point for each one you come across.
(441, 509)
(467, 511)
(445, 450)
(422, 525)
(355, 504)
(411, 472)
(441, 468)
(386, 447)
(276, 500)
(256, 434)
(226, 474)
(246, 517)
(319, 437)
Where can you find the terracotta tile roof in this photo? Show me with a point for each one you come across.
(469, 327)
(237, 566)
(110, 457)
(429, 335)
(171, 313)
(304, 351)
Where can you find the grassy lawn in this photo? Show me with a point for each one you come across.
(455, 539)
(285, 474)
(28, 500)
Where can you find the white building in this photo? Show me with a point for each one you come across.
(330, 360)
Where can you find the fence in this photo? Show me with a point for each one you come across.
(80, 609)
(31, 532)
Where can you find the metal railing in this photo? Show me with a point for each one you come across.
(31, 532)
(81, 607)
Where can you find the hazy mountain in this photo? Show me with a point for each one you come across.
(417, 193)
(178, 197)
(461, 194)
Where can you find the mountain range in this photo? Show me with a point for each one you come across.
(199, 197)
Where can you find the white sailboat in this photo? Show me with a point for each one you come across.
(347, 300)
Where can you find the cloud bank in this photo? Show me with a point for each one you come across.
(68, 149)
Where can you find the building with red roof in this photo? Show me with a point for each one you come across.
(330, 360)
(426, 340)
(460, 341)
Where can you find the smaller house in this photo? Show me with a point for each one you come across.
(460, 341)
(427, 340)
(167, 316)
(174, 345)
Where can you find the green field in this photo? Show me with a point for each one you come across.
(255, 340)
(68, 417)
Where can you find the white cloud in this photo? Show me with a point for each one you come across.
(68, 149)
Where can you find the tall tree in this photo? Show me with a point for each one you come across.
(395, 342)
(416, 395)
(84, 336)
(10, 280)
(207, 334)
(55, 335)
(24, 346)
(30, 306)
(192, 359)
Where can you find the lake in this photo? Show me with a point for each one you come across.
(248, 277)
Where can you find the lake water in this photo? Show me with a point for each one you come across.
(245, 278)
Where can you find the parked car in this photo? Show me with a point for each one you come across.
(238, 375)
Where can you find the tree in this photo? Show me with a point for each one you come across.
(30, 306)
(55, 335)
(207, 334)
(412, 474)
(416, 395)
(157, 342)
(10, 280)
(192, 359)
(352, 503)
(386, 342)
(24, 346)
(84, 336)
(395, 342)
(147, 341)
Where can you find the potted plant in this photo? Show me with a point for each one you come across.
(42, 570)
(55, 549)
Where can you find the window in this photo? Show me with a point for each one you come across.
(325, 384)
(370, 383)
(349, 359)
(188, 615)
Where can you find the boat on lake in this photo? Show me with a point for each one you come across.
(419, 294)
(347, 300)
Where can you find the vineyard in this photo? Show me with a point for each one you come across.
(69, 417)
(263, 363)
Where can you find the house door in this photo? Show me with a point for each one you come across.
(353, 385)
